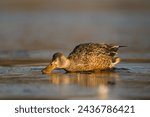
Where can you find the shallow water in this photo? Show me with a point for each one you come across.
(128, 81)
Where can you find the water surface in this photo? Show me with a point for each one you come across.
(128, 81)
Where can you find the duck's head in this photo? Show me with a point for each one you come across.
(58, 61)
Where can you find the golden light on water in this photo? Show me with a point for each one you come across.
(85, 80)
(103, 92)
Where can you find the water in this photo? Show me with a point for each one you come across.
(128, 81)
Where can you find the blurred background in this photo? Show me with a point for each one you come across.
(36, 28)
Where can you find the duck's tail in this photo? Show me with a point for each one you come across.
(122, 46)
(113, 50)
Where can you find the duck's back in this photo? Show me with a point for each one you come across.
(91, 56)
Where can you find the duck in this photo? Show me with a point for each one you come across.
(85, 57)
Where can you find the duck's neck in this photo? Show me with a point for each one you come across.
(67, 63)
(70, 65)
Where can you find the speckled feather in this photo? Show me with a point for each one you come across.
(92, 56)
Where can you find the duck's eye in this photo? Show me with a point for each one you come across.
(51, 63)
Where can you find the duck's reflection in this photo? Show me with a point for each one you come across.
(85, 79)
(101, 81)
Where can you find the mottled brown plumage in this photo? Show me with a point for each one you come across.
(86, 57)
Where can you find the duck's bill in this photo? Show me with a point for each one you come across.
(48, 69)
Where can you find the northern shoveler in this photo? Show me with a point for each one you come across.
(86, 57)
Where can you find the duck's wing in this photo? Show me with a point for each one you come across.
(80, 49)
(94, 49)
(93, 56)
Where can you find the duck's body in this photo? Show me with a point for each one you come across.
(86, 57)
